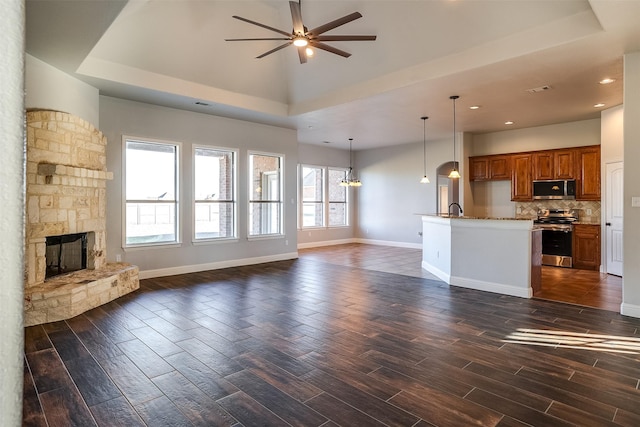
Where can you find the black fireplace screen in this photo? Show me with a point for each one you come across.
(65, 254)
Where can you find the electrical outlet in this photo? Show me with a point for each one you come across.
(635, 202)
(588, 211)
(286, 243)
(118, 258)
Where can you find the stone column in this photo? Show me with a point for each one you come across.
(12, 160)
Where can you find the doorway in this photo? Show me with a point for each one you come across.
(448, 189)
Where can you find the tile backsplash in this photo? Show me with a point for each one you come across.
(588, 211)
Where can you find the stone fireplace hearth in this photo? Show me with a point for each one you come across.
(66, 195)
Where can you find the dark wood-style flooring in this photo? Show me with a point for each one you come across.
(315, 342)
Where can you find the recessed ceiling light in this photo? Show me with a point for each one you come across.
(509, 122)
(607, 81)
(474, 107)
(598, 105)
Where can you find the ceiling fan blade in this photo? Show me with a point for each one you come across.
(262, 25)
(282, 46)
(302, 53)
(343, 38)
(263, 38)
(296, 17)
(330, 49)
(333, 24)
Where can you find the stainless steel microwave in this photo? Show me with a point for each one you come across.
(554, 189)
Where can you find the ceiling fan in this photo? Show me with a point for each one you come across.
(303, 38)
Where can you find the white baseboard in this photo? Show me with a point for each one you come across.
(631, 310)
(183, 269)
(500, 288)
(325, 243)
(445, 277)
(389, 243)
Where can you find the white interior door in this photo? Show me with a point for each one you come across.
(613, 217)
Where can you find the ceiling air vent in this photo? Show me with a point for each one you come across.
(539, 89)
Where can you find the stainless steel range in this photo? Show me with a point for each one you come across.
(557, 230)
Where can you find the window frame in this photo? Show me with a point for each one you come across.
(326, 198)
(323, 202)
(280, 201)
(347, 201)
(234, 183)
(177, 189)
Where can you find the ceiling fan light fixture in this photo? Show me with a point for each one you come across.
(309, 51)
(300, 41)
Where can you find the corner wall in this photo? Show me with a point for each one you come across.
(12, 202)
(49, 88)
(631, 223)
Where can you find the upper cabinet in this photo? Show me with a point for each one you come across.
(581, 164)
(490, 168)
(521, 182)
(588, 167)
(554, 164)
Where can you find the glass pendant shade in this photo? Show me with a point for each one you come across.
(454, 174)
(350, 180)
(425, 179)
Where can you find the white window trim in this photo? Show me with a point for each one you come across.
(347, 201)
(234, 238)
(326, 202)
(325, 195)
(161, 245)
(249, 175)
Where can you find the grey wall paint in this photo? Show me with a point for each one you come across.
(327, 156)
(391, 195)
(631, 223)
(120, 117)
(12, 201)
(49, 88)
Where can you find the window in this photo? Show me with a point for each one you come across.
(151, 184)
(323, 201)
(214, 193)
(337, 198)
(265, 194)
(312, 196)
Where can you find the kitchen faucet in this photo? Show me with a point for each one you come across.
(455, 204)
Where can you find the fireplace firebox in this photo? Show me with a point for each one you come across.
(65, 254)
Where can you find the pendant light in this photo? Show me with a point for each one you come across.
(350, 180)
(425, 179)
(454, 172)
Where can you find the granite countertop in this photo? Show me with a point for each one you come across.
(476, 217)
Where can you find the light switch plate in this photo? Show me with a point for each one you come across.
(635, 202)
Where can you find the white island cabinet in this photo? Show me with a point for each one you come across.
(499, 255)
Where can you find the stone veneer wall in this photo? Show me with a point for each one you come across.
(66, 193)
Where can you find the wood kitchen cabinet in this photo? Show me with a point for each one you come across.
(490, 168)
(521, 177)
(479, 167)
(500, 167)
(554, 164)
(586, 246)
(588, 167)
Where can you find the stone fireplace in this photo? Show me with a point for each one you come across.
(66, 198)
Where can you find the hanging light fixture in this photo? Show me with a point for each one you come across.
(454, 172)
(425, 179)
(350, 180)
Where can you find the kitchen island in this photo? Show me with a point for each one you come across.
(501, 255)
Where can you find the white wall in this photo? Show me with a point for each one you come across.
(572, 134)
(327, 156)
(12, 201)
(120, 117)
(391, 195)
(631, 223)
(612, 135)
(49, 88)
